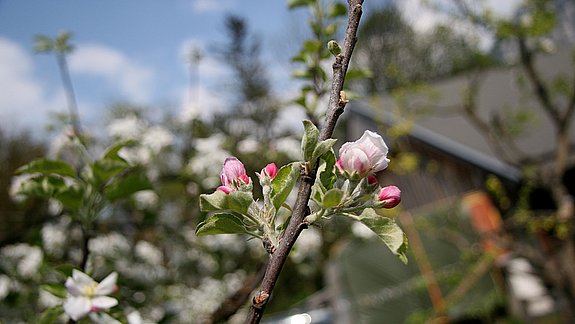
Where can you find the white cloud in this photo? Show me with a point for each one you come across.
(202, 6)
(133, 79)
(23, 103)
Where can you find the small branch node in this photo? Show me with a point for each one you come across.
(260, 299)
(268, 245)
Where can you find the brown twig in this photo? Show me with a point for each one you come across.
(296, 225)
(231, 305)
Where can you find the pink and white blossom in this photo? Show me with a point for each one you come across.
(233, 175)
(365, 156)
(87, 296)
(389, 196)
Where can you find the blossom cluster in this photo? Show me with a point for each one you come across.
(346, 186)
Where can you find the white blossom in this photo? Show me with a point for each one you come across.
(86, 295)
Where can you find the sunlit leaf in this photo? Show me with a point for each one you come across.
(388, 231)
(327, 176)
(309, 140)
(112, 151)
(284, 182)
(221, 224)
(46, 166)
(126, 185)
(299, 3)
(51, 315)
(332, 198)
(104, 169)
(337, 9)
(322, 148)
(57, 290)
(237, 201)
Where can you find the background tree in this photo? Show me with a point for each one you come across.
(398, 56)
(544, 203)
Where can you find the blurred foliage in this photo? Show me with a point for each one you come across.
(17, 220)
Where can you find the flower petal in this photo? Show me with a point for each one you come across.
(108, 285)
(103, 303)
(82, 279)
(77, 307)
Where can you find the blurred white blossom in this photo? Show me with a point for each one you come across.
(248, 145)
(26, 258)
(149, 253)
(16, 185)
(47, 300)
(307, 245)
(109, 245)
(209, 159)
(146, 199)
(290, 146)
(55, 237)
(5, 283)
(157, 138)
(129, 127)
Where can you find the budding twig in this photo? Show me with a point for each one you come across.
(336, 106)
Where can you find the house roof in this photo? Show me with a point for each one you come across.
(500, 92)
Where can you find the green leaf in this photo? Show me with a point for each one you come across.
(71, 196)
(309, 140)
(65, 270)
(51, 315)
(327, 176)
(112, 151)
(55, 289)
(104, 169)
(126, 185)
(318, 191)
(237, 201)
(311, 46)
(42, 186)
(46, 166)
(388, 231)
(299, 3)
(221, 224)
(301, 74)
(354, 74)
(337, 10)
(322, 148)
(284, 182)
(332, 198)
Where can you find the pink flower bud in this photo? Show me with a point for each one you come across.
(225, 189)
(371, 180)
(271, 170)
(232, 172)
(366, 155)
(389, 196)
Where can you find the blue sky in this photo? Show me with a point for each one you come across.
(134, 51)
(125, 51)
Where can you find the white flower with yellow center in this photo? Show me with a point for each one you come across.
(86, 296)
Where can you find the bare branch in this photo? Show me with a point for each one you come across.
(541, 91)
